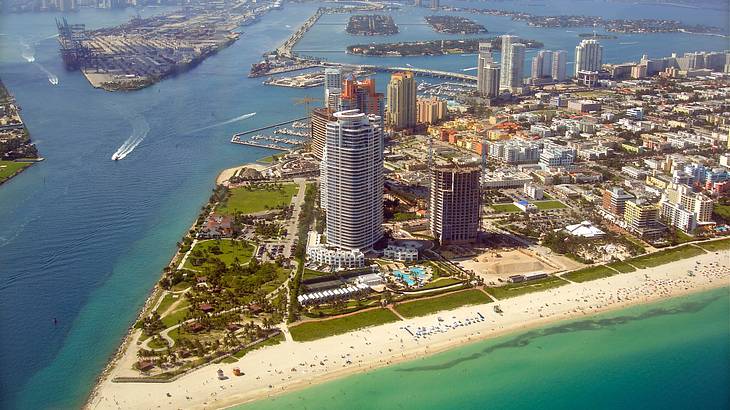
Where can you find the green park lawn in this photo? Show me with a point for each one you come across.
(268, 342)
(440, 283)
(176, 316)
(722, 210)
(505, 208)
(311, 274)
(448, 301)
(167, 301)
(270, 158)
(670, 255)
(251, 200)
(9, 168)
(714, 246)
(589, 273)
(622, 267)
(229, 248)
(329, 327)
(547, 205)
(516, 289)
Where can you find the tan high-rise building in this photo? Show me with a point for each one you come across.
(431, 110)
(400, 111)
(318, 129)
(454, 206)
(642, 218)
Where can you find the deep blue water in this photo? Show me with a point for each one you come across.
(83, 238)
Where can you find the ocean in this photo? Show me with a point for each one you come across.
(83, 238)
(668, 355)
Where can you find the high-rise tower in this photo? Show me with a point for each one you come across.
(513, 62)
(351, 176)
(588, 56)
(401, 101)
(454, 203)
(487, 72)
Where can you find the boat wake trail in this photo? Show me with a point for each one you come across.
(28, 51)
(52, 78)
(140, 128)
(232, 120)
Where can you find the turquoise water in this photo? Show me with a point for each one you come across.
(413, 274)
(669, 355)
(83, 239)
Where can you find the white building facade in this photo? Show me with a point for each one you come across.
(351, 175)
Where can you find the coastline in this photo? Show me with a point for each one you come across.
(131, 336)
(447, 346)
(378, 346)
(20, 170)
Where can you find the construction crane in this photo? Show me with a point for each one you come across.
(306, 101)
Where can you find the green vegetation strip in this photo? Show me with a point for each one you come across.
(448, 301)
(268, 342)
(440, 283)
(722, 211)
(590, 273)
(516, 289)
(715, 246)
(622, 267)
(248, 200)
(330, 327)
(10, 168)
(670, 255)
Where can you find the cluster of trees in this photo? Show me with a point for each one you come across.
(268, 230)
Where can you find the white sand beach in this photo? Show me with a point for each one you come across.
(226, 174)
(293, 365)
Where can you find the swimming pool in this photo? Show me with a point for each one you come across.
(414, 273)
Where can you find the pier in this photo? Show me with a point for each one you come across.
(237, 140)
(288, 141)
(278, 124)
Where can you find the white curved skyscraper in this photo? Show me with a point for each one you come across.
(351, 175)
(487, 72)
(588, 56)
(513, 65)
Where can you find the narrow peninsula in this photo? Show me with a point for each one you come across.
(17, 152)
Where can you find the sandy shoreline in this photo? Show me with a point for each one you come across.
(226, 174)
(292, 365)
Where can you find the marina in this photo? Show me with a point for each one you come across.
(260, 140)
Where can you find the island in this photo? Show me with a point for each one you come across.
(613, 25)
(371, 25)
(455, 25)
(431, 47)
(146, 50)
(598, 36)
(17, 152)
